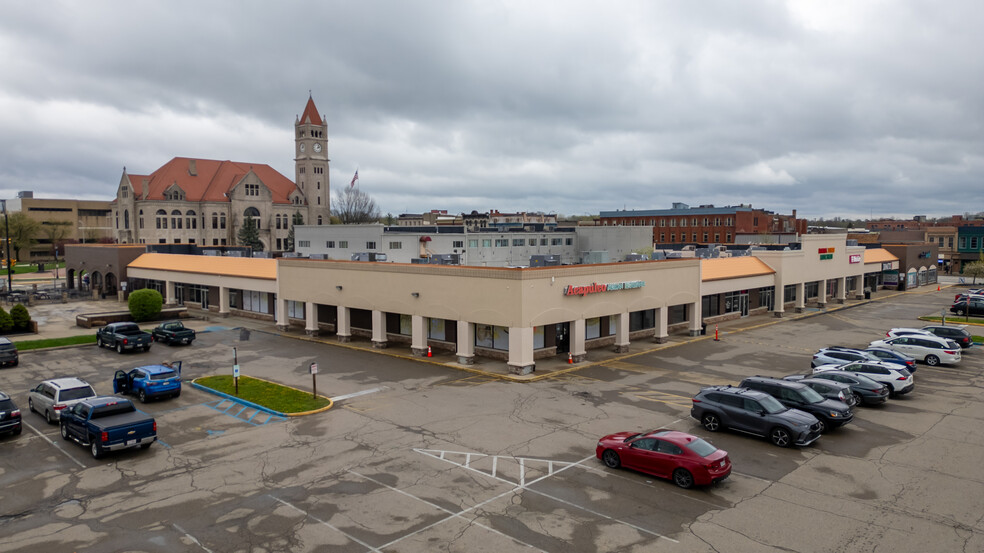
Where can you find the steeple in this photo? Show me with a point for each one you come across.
(310, 115)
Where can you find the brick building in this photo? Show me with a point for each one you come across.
(710, 225)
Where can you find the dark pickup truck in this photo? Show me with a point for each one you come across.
(107, 423)
(123, 336)
(173, 332)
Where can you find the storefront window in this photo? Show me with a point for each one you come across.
(767, 297)
(642, 320)
(256, 302)
(538, 337)
(492, 337)
(592, 328)
(295, 309)
(812, 289)
(710, 305)
(406, 325)
(435, 329)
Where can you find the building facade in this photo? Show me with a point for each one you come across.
(710, 225)
(205, 202)
(62, 221)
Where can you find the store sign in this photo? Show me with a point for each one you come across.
(595, 288)
(887, 266)
(891, 278)
(855, 258)
(826, 253)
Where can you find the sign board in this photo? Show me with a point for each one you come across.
(123, 285)
(235, 371)
(314, 368)
(890, 278)
(855, 258)
(595, 288)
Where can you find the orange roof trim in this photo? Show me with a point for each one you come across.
(878, 255)
(246, 267)
(733, 267)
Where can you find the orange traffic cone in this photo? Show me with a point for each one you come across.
(937, 287)
(570, 358)
(429, 354)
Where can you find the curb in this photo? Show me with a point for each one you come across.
(260, 407)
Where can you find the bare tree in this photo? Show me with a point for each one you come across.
(56, 232)
(352, 205)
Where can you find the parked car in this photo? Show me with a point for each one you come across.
(957, 333)
(173, 332)
(684, 458)
(932, 350)
(972, 294)
(123, 336)
(51, 397)
(108, 423)
(898, 380)
(152, 381)
(831, 413)
(972, 307)
(754, 412)
(827, 388)
(8, 353)
(866, 391)
(10, 416)
(886, 355)
(893, 332)
(839, 354)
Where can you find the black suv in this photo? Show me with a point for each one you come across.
(10, 416)
(754, 412)
(831, 413)
(866, 391)
(956, 333)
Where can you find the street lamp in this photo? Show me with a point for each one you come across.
(10, 268)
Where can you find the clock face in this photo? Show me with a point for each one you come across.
(302, 146)
(317, 147)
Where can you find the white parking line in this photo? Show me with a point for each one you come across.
(192, 538)
(335, 528)
(58, 447)
(357, 394)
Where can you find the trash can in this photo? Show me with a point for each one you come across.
(703, 329)
(867, 294)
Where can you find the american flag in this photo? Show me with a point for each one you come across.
(354, 178)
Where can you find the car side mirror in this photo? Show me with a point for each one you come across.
(762, 412)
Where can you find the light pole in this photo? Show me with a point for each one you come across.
(10, 268)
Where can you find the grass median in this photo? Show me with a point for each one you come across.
(273, 396)
(26, 345)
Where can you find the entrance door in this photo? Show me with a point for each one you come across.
(563, 339)
(743, 303)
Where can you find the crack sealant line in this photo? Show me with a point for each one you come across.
(45, 438)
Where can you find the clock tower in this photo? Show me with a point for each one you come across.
(311, 163)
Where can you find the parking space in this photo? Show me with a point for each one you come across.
(419, 457)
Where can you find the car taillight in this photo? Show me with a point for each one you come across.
(878, 390)
(695, 400)
(902, 378)
(888, 334)
(59, 406)
(104, 437)
(949, 352)
(15, 413)
(126, 341)
(155, 426)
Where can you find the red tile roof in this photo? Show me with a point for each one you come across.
(310, 115)
(211, 181)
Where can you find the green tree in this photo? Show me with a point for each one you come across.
(20, 317)
(352, 205)
(23, 232)
(145, 304)
(298, 219)
(6, 321)
(249, 235)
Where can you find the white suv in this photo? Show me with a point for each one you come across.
(51, 397)
(898, 380)
(933, 350)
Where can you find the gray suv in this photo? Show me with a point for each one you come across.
(830, 412)
(754, 412)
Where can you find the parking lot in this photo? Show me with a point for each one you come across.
(416, 456)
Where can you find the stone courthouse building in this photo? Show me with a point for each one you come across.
(205, 201)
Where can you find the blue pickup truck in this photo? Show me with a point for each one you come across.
(107, 423)
(149, 382)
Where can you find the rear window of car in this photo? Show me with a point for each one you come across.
(700, 447)
(76, 393)
(163, 375)
(6, 405)
(8, 347)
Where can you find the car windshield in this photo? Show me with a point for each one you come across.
(162, 375)
(76, 393)
(700, 447)
(771, 405)
(811, 395)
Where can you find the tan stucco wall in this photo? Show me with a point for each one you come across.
(805, 265)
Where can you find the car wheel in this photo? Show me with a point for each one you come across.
(30, 404)
(711, 422)
(781, 437)
(99, 342)
(932, 360)
(143, 396)
(16, 362)
(177, 394)
(857, 398)
(960, 311)
(18, 431)
(96, 452)
(47, 416)
(119, 348)
(611, 459)
(147, 347)
(64, 432)
(683, 478)
(823, 426)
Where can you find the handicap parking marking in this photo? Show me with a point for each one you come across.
(245, 413)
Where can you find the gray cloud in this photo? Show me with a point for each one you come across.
(831, 108)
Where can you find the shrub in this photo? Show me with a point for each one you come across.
(145, 304)
(6, 321)
(21, 318)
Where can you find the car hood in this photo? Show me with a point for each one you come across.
(799, 417)
(617, 437)
(832, 405)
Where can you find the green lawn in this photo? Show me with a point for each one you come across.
(269, 395)
(55, 342)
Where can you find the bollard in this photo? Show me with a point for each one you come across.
(716, 339)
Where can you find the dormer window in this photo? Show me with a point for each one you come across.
(252, 189)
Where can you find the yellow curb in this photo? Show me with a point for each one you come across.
(299, 414)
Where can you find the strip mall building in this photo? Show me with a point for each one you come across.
(517, 315)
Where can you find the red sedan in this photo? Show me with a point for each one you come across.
(685, 458)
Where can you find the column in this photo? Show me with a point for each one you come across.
(778, 300)
(223, 301)
(343, 329)
(800, 297)
(281, 308)
(694, 314)
(859, 287)
(662, 316)
(171, 299)
(418, 336)
(822, 294)
(578, 353)
(521, 350)
(622, 332)
(311, 318)
(466, 342)
(841, 296)
(378, 329)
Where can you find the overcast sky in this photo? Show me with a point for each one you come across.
(831, 107)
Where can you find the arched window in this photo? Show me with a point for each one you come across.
(222, 221)
(161, 219)
(176, 219)
(126, 218)
(192, 219)
(254, 213)
(215, 220)
(319, 219)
